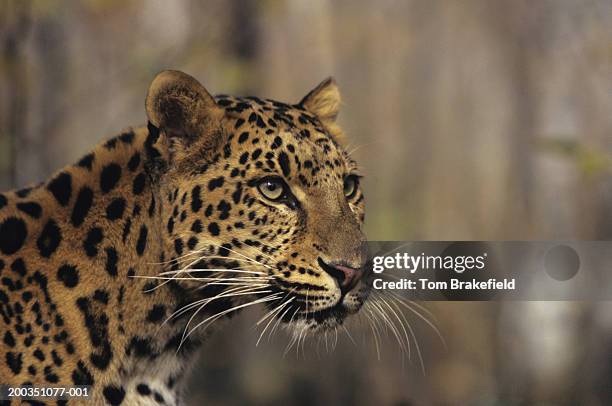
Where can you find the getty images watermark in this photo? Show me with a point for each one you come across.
(458, 264)
(488, 270)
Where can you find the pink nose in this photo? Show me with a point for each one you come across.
(346, 276)
(351, 276)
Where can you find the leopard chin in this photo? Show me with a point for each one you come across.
(318, 323)
(327, 319)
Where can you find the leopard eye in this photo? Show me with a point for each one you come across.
(351, 184)
(273, 188)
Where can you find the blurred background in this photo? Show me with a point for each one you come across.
(473, 120)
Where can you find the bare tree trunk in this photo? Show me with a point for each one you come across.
(242, 43)
(14, 29)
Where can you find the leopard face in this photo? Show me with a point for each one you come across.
(262, 194)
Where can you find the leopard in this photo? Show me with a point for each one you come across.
(115, 270)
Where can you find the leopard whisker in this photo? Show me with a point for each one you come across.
(416, 345)
(297, 347)
(276, 310)
(271, 312)
(298, 334)
(408, 305)
(167, 281)
(233, 270)
(374, 334)
(357, 148)
(428, 312)
(210, 278)
(233, 284)
(232, 292)
(166, 278)
(242, 255)
(400, 323)
(220, 314)
(290, 345)
(326, 344)
(278, 321)
(335, 338)
(405, 323)
(195, 313)
(305, 336)
(294, 337)
(374, 319)
(176, 259)
(206, 257)
(260, 252)
(348, 334)
(185, 269)
(391, 325)
(188, 254)
(412, 334)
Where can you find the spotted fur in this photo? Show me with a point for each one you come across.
(79, 253)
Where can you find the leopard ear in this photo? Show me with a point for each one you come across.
(323, 101)
(180, 106)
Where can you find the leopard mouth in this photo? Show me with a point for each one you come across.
(319, 320)
(336, 315)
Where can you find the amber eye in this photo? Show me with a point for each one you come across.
(351, 184)
(273, 188)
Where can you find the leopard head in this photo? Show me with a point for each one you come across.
(263, 200)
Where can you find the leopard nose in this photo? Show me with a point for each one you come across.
(346, 276)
